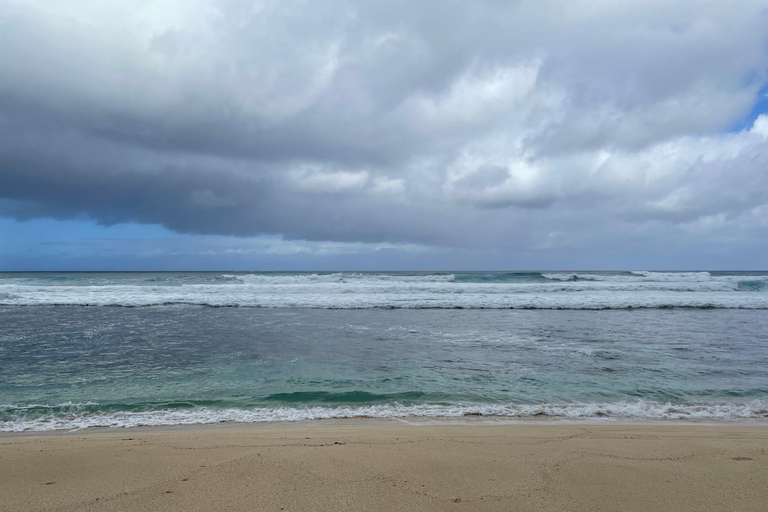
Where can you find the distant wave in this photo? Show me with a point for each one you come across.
(646, 276)
(338, 277)
(493, 290)
(77, 416)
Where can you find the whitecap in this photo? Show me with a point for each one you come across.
(640, 410)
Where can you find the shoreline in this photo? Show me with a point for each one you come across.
(76, 416)
(363, 466)
(418, 422)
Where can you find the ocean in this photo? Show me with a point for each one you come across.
(123, 349)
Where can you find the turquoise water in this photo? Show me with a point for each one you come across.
(72, 366)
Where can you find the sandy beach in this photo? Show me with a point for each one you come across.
(390, 467)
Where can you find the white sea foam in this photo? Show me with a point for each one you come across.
(357, 290)
(339, 277)
(673, 276)
(641, 410)
(643, 275)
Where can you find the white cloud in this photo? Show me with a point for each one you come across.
(384, 185)
(760, 127)
(477, 96)
(315, 179)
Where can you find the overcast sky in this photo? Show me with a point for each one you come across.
(383, 134)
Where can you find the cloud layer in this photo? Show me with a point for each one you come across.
(494, 125)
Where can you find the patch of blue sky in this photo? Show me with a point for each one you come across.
(41, 236)
(759, 107)
(49, 244)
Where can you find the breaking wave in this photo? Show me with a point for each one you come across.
(70, 416)
(346, 290)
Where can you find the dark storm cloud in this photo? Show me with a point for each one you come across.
(462, 124)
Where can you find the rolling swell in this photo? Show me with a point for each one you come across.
(69, 368)
(752, 286)
(584, 307)
(497, 277)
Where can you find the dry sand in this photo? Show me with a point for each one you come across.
(369, 467)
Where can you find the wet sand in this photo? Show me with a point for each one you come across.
(390, 467)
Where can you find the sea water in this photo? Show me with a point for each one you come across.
(127, 349)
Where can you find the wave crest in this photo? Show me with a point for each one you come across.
(79, 417)
(338, 277)
(496, 290)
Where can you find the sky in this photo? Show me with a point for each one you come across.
(372, 135)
